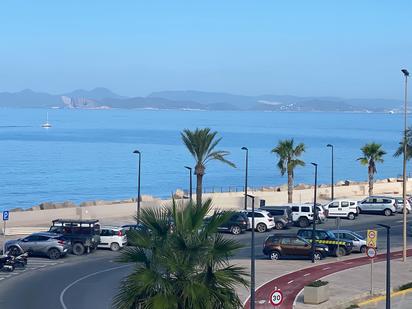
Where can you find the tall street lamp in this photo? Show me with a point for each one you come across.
(315, 212)
(138, 186)
(388, 265)
(332, 180)
(246, 172)
(252, 256)
(190, 182)
(406, 74)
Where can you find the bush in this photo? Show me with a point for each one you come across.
(318, 283)
(405, 286)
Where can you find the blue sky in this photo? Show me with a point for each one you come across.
(320, 48)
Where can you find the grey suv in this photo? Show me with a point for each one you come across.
(51, 245)
(378, 205)
(282, 215)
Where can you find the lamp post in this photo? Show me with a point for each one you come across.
(315, 212)
(252, 256)
(388, 265)
(406, 74)
(332, 180)
(246, 172)
(138, 186)
(190, 182)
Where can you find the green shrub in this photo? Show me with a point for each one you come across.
(318, 283)
(405, 286)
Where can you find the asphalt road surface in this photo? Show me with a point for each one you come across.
(91, 281)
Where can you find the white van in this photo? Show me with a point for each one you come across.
(112, 237)
(342, 208)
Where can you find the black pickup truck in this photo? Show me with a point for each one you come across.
(336, 247)
(84, 235)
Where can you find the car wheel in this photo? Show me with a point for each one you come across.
(303, 222)
(351, 216)
(363, 249)
(317, 256)
(78, 249)
(387, 212)
(235, 230)
(340, 252)
(114, 246)
(261, 228)
(274, 255)
(53, 254)
(279, 225)
(14, 251)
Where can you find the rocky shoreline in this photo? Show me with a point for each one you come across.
(179, 194)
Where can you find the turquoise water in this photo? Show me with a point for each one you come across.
(87, 154)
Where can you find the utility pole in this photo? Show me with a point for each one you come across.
(405, 149)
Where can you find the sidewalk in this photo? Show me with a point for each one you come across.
(349, 286)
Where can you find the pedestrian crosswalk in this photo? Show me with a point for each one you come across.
(33, 264)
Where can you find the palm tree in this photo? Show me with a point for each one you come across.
(399, 151)
(288, 159)
(201, 144)
(372, 154)
(184, 267)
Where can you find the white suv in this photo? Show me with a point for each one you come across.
(342, 208)
(302, 215)
(378, 204)
(263, 220)
(112, 237)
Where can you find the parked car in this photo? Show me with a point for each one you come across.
(84, 235)
(112, 237)
(263, 220)
(279, 245)
(378, 205)
(47, 244)
(342, 208)
(359, 242)
(237, 224)
(336, 247)
(399, 205)
(282, 215)
(302, 215)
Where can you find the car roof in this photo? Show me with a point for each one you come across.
(90, 221)
(342, 200)
(380, 196)
(258, 210)
(46, 234)
(275, 207)
(110, 227)
(342, 231)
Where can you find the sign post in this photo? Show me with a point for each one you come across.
(371, 240)
(338, 227)
(276, 297)
(6, 216)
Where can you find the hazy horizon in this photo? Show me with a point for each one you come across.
(347, 50)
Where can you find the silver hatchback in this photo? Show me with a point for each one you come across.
(51, 245)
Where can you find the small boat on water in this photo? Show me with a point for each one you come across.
(46, 124)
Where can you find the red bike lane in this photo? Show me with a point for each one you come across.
(291, 284)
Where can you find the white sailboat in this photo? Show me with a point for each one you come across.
(46, 124)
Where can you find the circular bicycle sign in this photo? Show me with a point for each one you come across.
(276, 298)
(371, 252)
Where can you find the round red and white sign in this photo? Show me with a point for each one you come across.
(372, 234)
(371, 252)
(276, 298)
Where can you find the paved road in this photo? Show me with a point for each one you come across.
(291, 284)
(92, 281)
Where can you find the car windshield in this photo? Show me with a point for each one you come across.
(330, 234)
(303, 239)
(358, 236)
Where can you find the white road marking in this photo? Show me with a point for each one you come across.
(326, 268)
(348, 263)
(306, 274)
(85, 277)
(290, 281)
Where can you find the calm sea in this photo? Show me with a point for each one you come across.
(87, 154)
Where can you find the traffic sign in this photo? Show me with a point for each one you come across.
(5, 215)
(276, 297)
(371, 252)
(372, 238)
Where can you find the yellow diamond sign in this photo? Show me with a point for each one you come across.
(372, 238)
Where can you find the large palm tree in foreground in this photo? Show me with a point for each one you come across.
(372, 154)
(288, 155)
(201, 144)
(186, 266)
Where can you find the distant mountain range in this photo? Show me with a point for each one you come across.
(102, 98)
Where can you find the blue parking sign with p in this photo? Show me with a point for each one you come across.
(5, 215)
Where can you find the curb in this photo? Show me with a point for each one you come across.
(383, 297)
